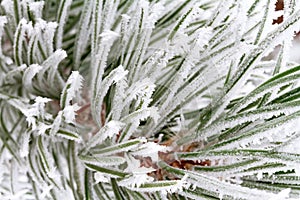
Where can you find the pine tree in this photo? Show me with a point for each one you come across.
(148, 99)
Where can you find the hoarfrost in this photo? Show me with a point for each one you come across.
(69, 113)
(109, 130)
(36, 8)
(24, 150)
(63, 12)
(284, 194)
(101, 178)
(151, 149)
(72, 88)
(208, 56)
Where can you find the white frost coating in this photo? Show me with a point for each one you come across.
(193, 15)
(142, 114)
(112, 128)
(124, 147)
(96, 28)
(109, 35)
(181, 96)
(69, 113)
(143, 4)
(44, 33)
(132, 32)
(292, 145)
(41, 128)
(72, 88)
(180, 44)
(15, 196)
(109, 12)
(18, 71)
(53, 173)
(151, 149)
(155, 64)
(179, 79)
(276, 131)
(268, 170)
(3, 21)
(118, 99)
(51, 63)
(102, 160)
(24, 150)
(65, 194)
(141, 91)
(99, 59)
(271, 15)
(221, 187)
(259, 175)
(275, 86)
(239, 25)
(156, 70)
(101, 178)
(55, 58)
(2, 166)
(40, 101)
(220, 13)
(29, 74)
(48, 162)
(251, 116)
(175, 186)
(8, 6)
(116, 75)
(285, 31)
(56, 123)
(126, 17)
(18, 41)
(50, 66)
(136, 180)
(133, 119)
(155, 13)
(36, 8)
(35, 110)
(84, 32)
(134, 166)
(46, 191)
(62, 20)
(287, 53)
(139, 174)
(288, 8)
(283, 194)
(203, 36)
(49, 36)
(109, 130)
(145, 22)
(124, 31)
(238, 171)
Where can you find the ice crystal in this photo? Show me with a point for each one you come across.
(149, 99)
